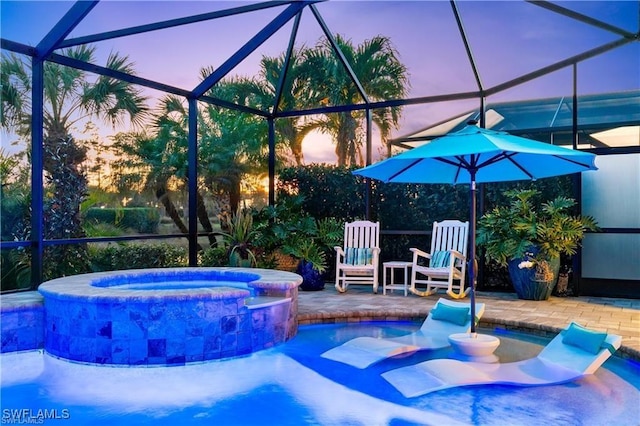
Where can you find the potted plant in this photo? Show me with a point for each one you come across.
(527, 237)
(309, 241)
(297, 241)
(311, 263)
(274, 225)
(239, 235)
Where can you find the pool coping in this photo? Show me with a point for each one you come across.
(91, 285)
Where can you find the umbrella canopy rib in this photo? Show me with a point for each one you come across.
(515, 163)
(508, 156)
(459, 165)
(578, 163)
(497, 158)
(404, 169)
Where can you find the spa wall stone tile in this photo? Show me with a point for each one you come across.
(81, 318)
(22, 323)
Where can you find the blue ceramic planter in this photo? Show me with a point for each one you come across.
(525, 285)
(311, 279)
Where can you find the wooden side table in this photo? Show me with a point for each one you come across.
(390, 267)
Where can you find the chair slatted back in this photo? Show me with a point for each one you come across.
(361, 234)
(450, 235)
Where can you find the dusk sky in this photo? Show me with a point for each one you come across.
(508, 39)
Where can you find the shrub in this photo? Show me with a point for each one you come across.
(329, 191)
(137, 256)
(144, 220)
(15, 269)
(214, 256)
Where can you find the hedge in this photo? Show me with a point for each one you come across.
(144, 220)
(331, 191)
(137, 256)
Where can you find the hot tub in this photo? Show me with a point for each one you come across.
(168, 316)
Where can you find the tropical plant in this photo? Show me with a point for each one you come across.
(152, 162)
(15, 195)
(307, 250)
(239, 235)
(15, 201)
(273, 223)
(233, 144)
(288, 228)
(310, 240)
(15, 269)
(382, 77)
(70, 96)
(93, 229)
(511, 231)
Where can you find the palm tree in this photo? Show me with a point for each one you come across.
(150, 162)
(70, 97)
(375, 62)
(297, 94)
(158, 161)
(230, 146)
(15, 80)
(233, 144)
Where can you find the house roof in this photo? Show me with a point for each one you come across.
(604, 120)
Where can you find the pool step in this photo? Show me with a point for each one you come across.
(264, 301)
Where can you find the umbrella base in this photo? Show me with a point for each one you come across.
(474, 347)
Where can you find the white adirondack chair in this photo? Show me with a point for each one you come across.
(445, 265)
(357, 260)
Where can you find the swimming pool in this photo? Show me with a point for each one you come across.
(291, 385)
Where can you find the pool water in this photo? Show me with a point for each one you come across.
(183, 285)
(292, 385)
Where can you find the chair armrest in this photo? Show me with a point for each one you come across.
(375, 256)
(458, 259)
(339, 251)
(418, 252)
(457, 254)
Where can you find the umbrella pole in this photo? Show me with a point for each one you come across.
(472, 251)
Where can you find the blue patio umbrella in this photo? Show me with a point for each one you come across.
(473, 155)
